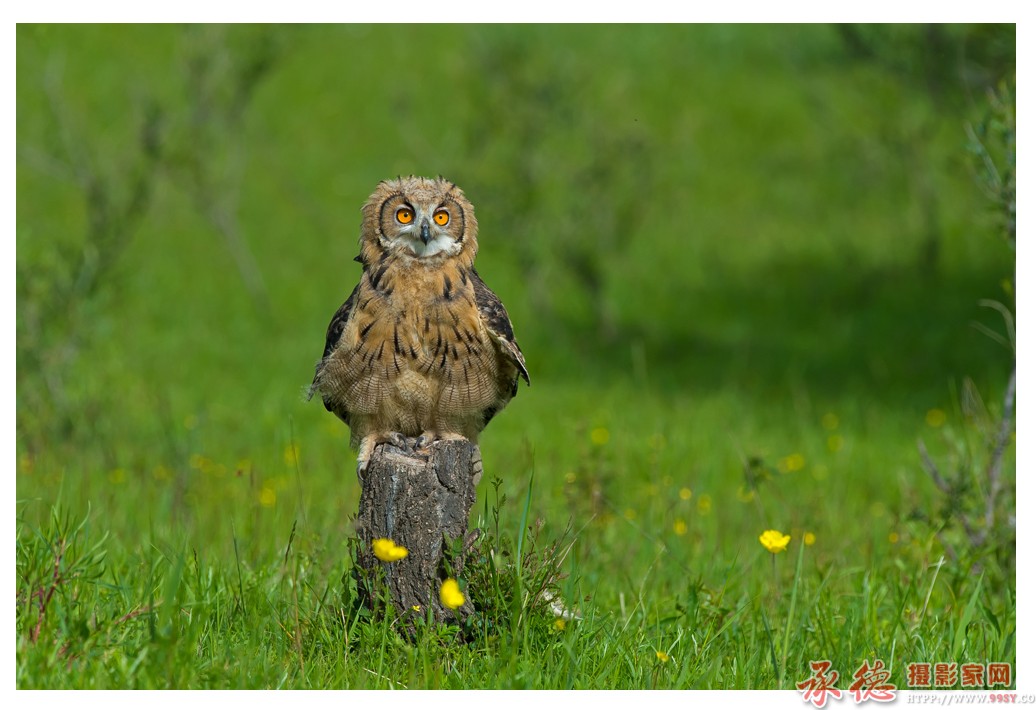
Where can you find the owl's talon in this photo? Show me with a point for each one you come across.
(398, 440)
(424, 441)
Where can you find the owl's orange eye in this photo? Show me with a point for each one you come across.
(404, 215)
(442, 218)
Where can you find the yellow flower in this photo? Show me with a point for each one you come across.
(791, 463)
(680, 527)
(685, 493)
(417, 608)
(773, 541)
(267, 497)
(662, 656)
(450, 594)
(388, 551)
(559, 624)
(809, 538)
(600, 436)
(705, 504)
(834, 443)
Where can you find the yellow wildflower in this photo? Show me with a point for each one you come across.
(450, 594)
(774, 541)
(809, 538)
(267, 497)
(387, 550)
(680, 527)
(291, 454)
(745, 495)
(559, 624)
(893, 537)
(935, 417)
(662, 656)
(685, 493)
(834, 443)
(417, 608)
(705, 504)
(600, 436)
(791, 463)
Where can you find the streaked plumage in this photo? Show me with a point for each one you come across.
(422, 347)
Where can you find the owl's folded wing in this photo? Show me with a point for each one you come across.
(334, 334)
(498, 324)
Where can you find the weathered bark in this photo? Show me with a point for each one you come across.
(422, 503)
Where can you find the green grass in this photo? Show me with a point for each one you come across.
(778, 342)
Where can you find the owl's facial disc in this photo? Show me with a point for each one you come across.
(425, 232)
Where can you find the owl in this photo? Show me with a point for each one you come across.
(421, 348)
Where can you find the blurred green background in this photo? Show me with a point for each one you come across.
(724, 249)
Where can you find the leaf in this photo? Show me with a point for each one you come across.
(962, 629)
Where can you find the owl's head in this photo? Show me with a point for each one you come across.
(418, 218)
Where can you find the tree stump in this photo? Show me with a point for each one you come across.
(419, 502)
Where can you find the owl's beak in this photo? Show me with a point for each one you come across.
(426, 233)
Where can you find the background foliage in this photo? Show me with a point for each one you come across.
(745, 264)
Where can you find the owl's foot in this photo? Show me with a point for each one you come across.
(363, 458)
(368, 444)
(429, 437)
(396, 439)
(422, 442)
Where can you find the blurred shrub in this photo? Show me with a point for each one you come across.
(975, 516)
(566, 177)
(992, 144)
(66, 281)
(948, 65)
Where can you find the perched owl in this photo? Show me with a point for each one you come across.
(421, 348)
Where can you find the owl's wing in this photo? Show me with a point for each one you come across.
(334, 334)
(498, 324)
